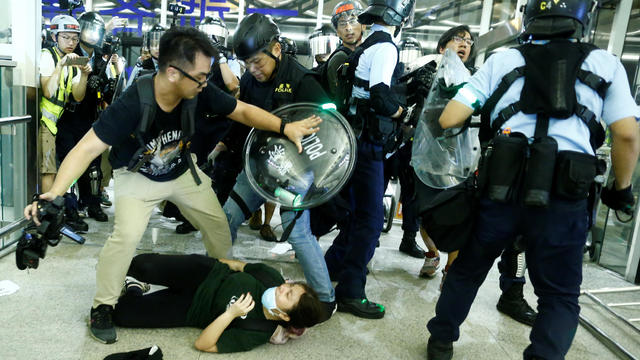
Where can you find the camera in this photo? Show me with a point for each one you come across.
(70, 4)
(35, 239)
(177, 9)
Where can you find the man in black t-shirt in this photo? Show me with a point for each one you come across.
(184, 62)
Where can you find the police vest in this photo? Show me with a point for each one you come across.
(52, 108)
(286, 84)
(550, 72)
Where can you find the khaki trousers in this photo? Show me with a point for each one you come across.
(135, 197)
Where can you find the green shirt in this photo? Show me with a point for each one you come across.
(221, 289)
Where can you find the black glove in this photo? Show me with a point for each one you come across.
(618, 199)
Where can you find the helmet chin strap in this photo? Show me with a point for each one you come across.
(275, 70)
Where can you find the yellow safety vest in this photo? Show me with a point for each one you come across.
(51, 109)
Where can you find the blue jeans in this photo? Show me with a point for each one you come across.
(555, 239)
(353, 248)
(308, 251)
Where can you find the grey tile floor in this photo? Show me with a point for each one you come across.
(46, 318)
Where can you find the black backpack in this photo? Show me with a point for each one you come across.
(320, 72)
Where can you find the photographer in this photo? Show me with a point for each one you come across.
(61, 81)
(81, 114)
(157, 155)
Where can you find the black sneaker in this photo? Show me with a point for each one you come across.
(96, 213)
(439, 350)
(101, 324)
(361, 308)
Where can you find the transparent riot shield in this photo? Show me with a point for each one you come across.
(301, 181)
(440, 158)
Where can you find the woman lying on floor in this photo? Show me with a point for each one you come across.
(238, 305)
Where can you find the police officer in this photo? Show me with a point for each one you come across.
(378, 110)
(272, 79)
(77, 121)
(344, 19)
(558, 127)
(148, 61)
(60, 81)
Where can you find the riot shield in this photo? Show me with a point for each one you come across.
(301, 181)
(440, 158)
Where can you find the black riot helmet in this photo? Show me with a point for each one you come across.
(391, 12)
(410, 49)
(254, 34)
(151, 40)
(91, 29)
(216, 29)
(552, 19)
(289, 46)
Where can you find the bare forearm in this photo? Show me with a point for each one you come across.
(77, 161)
(624, 157)
(209, 337)
(234, 265)
(50, 85)
(230, 80)
(255, 117)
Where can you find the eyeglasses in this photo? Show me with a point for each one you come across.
(351, 22)
(256, 61)
(459, 39)
(69, 38)
(200, 83)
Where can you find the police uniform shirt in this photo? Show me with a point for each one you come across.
(572, 133)
(382, 57)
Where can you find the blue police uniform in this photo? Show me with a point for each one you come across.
(555, 235)
(353, 248)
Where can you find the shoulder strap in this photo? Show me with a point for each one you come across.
(188, 122)
(144, 84)
(376, 37)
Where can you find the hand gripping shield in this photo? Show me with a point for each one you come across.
(301, 181)
(444, 158)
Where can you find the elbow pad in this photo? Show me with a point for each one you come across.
(383, 101)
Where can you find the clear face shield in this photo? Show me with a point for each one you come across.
(154, 42)
(92, 33)
(217, 32)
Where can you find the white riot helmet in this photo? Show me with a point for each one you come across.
(64, 23)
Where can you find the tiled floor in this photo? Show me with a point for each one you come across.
(46, 318)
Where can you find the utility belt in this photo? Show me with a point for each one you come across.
(514, 171)
(378, 129)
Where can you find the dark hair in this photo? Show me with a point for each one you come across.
(309, 309)
(179, 45)
(455, 31)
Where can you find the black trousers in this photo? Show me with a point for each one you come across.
(181, 274)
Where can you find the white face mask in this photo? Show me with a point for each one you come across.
(269, 300)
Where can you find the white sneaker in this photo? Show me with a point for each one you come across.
(131, 282)
(430, 266)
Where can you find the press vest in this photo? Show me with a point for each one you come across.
(52, 108)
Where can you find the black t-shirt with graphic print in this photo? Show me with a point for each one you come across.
(118, 123)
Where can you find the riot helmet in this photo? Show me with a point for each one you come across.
(553, 19)
(151, 40)
(323, 42)
(91, 29)
(216, 29)
(391, 12)
(289, 46)
(254, 34)
(348, 9)
(64, 23)
(410, 49)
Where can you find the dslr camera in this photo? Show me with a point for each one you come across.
(70, 4)
(35, 239)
